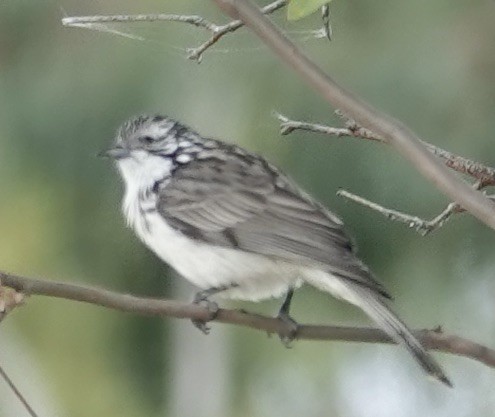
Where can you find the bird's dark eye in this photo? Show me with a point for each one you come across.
(147, 139)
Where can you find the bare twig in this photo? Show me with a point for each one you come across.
(10, 299)
(398, 135)
(485, 175)
(168, 308)
(420, 225)
(481, 172)
(17, 393)
(288, 126)
(82, 21)
(196, 54)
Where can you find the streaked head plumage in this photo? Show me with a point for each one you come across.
(150, 133)
(150, 148)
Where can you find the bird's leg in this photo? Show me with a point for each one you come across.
(201, 297)
(283, 315)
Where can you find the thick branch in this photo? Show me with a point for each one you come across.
(398, 135)
(168, 308)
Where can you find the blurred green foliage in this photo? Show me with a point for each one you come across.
(64, 91)
(297, 9)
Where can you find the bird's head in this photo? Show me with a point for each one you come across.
(145, 146)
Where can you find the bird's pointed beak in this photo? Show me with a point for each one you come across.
(115, 153)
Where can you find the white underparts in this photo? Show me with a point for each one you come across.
(252, 277)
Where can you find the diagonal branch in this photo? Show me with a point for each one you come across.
(10, 299)
(485, 175)
(217, 31)
(397, 134)
(433, 339)
(420, 225)
(477, 170)
(221, 31)
(17, 393)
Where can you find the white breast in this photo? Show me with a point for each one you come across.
(253, 276)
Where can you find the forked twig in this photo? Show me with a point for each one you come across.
(197, 53)
(420, 225)
(484, 175)
(217, 31)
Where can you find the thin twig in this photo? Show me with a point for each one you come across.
(288, 126)
(198, 21)
(169, 308)
(17, 393)
(420, 225)
(98, 27)
(406, 142)
(481, 172)
(485, 175)
(196, 54)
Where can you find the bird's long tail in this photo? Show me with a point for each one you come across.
(373, 304)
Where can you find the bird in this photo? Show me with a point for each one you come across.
(237, 227)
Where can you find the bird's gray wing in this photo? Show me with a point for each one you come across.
(243, 203)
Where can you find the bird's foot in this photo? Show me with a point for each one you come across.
(289, 334)
(201, 298)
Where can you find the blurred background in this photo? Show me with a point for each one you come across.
(63, 93)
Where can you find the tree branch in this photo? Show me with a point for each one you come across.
(485, 175)
(477, 170)
(196, 54)
(420, 225)
(432, 339)
(82, 21)
(398, 135)
(17, 393)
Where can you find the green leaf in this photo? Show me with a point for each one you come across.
(301, 8)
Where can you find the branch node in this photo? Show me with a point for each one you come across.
(9, 299)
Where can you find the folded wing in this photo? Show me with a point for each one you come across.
(240, 202)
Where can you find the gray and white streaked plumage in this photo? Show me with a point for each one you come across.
(225, 218)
